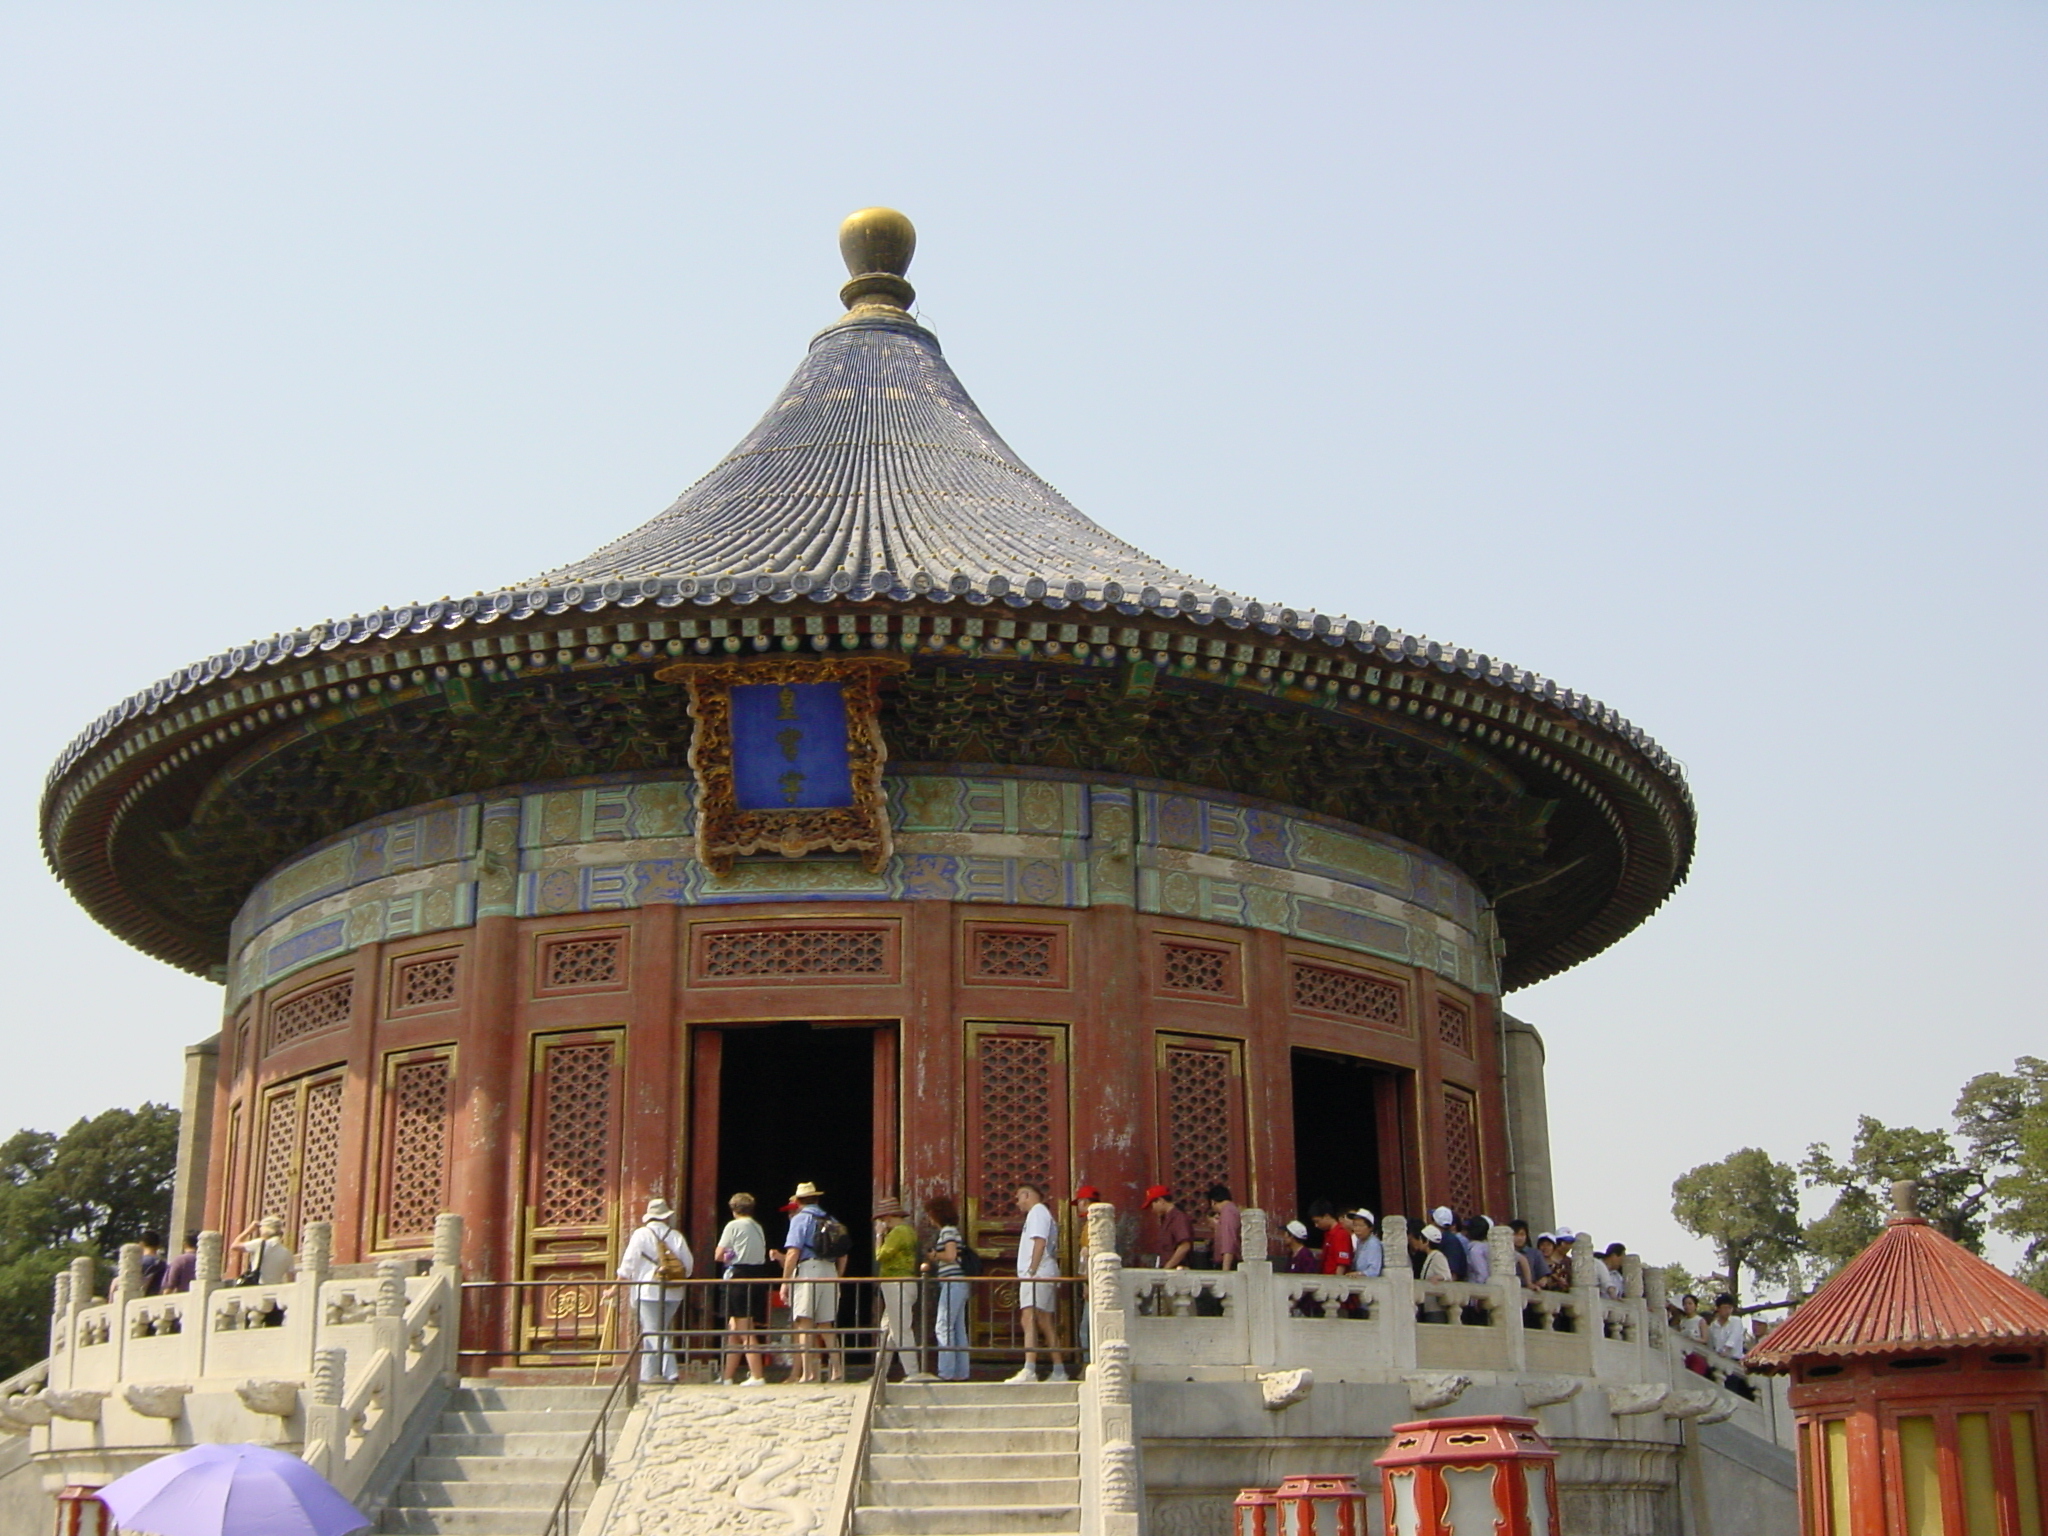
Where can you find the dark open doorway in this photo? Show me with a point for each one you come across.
(796, 1102)
(1347, 1114)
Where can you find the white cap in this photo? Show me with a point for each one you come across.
(1299, 1231)
(1433, 1232)
(1441, 1216)
(1364, 1215)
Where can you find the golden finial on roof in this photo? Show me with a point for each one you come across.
(877, 244)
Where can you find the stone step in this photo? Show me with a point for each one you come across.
(476, 1469)
(924, 1441)
(1015, 1492)
(485, 1443)
(1020, 1415)
(490, 1396)
(967, 1520)
(950, 1394)
(914, 1466)
(500, 1421)
(466, 1522)
(526, 1493)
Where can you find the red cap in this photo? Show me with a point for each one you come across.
(790, 1209)
(1087, 1192)
(1157, 1192)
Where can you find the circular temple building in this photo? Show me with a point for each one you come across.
(874, 817)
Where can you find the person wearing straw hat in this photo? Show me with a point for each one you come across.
(656, 1257)
(808, 1277)
(896, 1265)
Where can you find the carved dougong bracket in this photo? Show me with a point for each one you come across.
(725, 828)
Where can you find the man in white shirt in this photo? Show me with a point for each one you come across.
(1728, 1335)
(654, 1246)
(1612, 1282)
(1037, 1299)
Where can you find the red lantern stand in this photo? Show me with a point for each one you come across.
(1256, 1513)
(1491, 1476)
(80, 1512)
(1328, 1505)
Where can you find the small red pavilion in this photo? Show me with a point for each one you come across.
(1920, 1385)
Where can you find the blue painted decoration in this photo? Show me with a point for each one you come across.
(789, 749)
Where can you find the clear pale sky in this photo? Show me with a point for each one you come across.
(1690, 354)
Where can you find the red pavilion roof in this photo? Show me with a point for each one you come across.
(1911, 1289)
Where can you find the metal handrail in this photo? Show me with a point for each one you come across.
(592, 1455)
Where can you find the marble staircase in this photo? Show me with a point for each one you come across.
(495, 1463)
(973, 1459)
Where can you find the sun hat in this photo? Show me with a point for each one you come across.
(1158, 1192)
(889, 1205)
(659, 1209)
(808, 1191)
(1298, 1231)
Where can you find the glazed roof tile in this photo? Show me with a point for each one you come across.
(875, 465)
(1913, 1288)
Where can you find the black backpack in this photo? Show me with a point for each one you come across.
(970, 1261)
(830, 1239)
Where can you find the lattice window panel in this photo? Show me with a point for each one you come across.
(1461, 1151)
(275, 1156)
(320, 1157)
(423, 982)
(1190, 968)
(584, 963)
(417, 1154)
(1199, 1089)
(577, 1135)
(796, 952)
(310, 1012)
(1454, 1026)
(1016, 1098)
(1326, 989)
(1003, 953)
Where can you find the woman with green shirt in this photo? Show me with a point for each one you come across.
(896, 1263)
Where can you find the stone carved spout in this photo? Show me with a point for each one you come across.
(156, 1400)
(80, 1404)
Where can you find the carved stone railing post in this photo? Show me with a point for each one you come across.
(1112, 1499)
(1507, 1281)
(1258, 1239)
(1105, 1278)
(316, 1250)
(1399, 1321)
(206, 1269)
(127, 1274)
(448, 1241)
(60, 1322)
(1655, 1294)
(330, 1372)
(84, 1274)
(1257, 1294)
(391, 1288)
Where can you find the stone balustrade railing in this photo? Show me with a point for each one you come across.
(1260, 1319)
(328, 1365)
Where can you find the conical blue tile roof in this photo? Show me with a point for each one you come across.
(874, 465)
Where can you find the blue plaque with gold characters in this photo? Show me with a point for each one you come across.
(788, 756)
(789, 746)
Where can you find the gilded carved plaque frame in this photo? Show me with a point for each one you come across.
(725, 829)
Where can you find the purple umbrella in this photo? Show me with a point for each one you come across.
(229, 1490)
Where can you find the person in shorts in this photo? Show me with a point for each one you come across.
(813, 1296)
(743, 1299)
(1038, 1265)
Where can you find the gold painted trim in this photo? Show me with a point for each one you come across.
(724, 831)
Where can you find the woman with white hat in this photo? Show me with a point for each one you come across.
(655, 1258)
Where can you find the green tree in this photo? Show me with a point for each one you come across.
(1747, 1206)
(1956, 1188)
(2003, 1117)
(88, 1191)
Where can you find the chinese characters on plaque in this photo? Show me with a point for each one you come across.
(788, 757)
